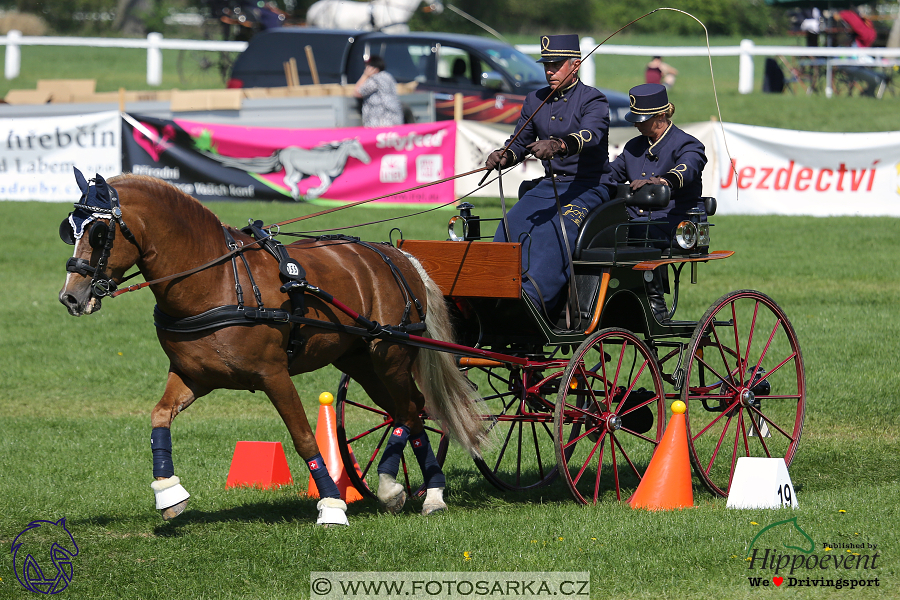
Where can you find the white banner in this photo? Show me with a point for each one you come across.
(37, 155)
(779, 171)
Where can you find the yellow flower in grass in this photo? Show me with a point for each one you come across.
(827, 549)
(467, 555)
(560, 538)
(754, 523)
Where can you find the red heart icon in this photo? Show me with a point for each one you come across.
(777, 580)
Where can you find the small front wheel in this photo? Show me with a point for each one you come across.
(610, 416)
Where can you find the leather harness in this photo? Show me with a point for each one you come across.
(296, 287)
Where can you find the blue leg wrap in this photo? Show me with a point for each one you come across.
(325, 484)
(161, 445)
(393, 452)
(431, 470)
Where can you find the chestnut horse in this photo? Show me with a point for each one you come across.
(165, 232)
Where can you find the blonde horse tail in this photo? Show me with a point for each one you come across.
(449, 396)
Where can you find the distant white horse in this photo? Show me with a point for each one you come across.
(325, 161)
(390, 16)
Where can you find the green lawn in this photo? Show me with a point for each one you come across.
(75, 397)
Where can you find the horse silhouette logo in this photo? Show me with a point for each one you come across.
(786, 530)
(42, 556)
(326, 161)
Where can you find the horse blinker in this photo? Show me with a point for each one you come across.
(98, 234)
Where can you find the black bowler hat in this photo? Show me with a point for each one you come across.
(647, 99)
(555, 48)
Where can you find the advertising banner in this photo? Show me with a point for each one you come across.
(37, 155)
(227, 162)
(778, 171)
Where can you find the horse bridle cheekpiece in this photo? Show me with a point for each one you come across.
(99, 201)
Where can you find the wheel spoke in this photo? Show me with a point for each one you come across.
(718, 445)
(724, 412)
(737, 344)
(587, 462)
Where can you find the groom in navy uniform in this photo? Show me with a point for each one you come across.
(569, 134)
(662, 155)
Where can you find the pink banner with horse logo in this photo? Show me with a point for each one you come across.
(348, 164)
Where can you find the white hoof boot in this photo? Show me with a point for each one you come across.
(332, 511)
(434, 501)
(171, 497)
(391, 494)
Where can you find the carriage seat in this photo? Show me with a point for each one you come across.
(604, 235)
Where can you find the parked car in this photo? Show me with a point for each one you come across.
(493, 76)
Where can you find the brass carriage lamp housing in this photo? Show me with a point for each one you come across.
(471, 224)
(693, 234)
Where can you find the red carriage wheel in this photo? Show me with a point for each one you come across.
(611, 412)
(363, 428)
(744, 387)
(519, 415)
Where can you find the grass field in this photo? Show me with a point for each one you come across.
(75, 397)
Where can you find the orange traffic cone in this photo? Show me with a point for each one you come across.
(667, 482)
(326, 438)
(258, 464)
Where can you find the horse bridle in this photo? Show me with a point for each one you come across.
(100, 237)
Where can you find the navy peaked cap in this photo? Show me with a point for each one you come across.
(555, 48)
(647, 99)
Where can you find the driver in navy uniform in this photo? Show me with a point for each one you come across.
(569, 134)
(662, 155)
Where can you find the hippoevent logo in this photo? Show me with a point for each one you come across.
(784, 555)
(42, 556)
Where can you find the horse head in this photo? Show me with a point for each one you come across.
(99, 262)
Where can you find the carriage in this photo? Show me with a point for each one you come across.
(583, 394)
(580, 395)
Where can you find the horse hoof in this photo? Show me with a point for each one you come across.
(171, 497)
(434, 502)
(391, 494)
(332, 511)
(433, 508)
(173, 511)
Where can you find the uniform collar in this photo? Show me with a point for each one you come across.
(562, 92)
(650, 154)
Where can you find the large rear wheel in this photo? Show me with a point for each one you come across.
(362, 432)
(744, 387)
(518, 407)
(610, 412)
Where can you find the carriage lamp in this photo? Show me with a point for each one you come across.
(703, 235)
(471, 226)
(686, 234)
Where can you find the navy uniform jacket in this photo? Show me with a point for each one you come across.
(677, 157)
(578, 115)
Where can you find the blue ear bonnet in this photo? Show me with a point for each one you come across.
(93, 197)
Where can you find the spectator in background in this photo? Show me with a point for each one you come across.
(378, 90)
(864, 33)
(660, 72)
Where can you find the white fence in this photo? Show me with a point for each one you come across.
(155, 44)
